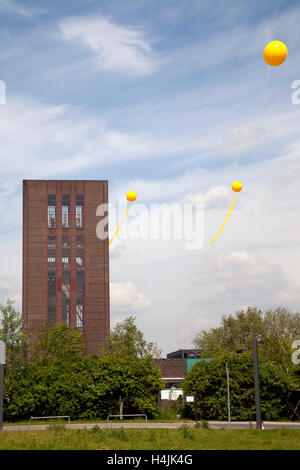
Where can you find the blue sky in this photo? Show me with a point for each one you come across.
(163, 98)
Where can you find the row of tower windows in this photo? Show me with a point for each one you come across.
(65, 210)
(66, 280)
(66, 262)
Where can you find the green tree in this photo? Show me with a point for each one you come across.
(208, 380)
(13, 334)
(137, 381)
(58, 344)
(58, 380)
(275, 330)
(55, 359)
(127, 340)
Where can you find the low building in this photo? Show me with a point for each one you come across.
(173, 370)
(184, 354)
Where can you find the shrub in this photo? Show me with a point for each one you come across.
(208, 380)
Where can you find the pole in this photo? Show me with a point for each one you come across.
(196, 407)
(2, 362)
(256, 384)
(121, 408)
(228, 396)
(1, 394)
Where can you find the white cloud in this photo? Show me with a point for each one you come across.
(9, 289)
(116, 248)
(45, 134)
(203, 323)
(125, 295)
(56, 139)
(186, 332)
(216, 197)
(118, 48)
(6, 284)
(242, 275)
(17, 299)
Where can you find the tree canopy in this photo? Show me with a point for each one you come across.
(275, 329)
(208, 380)
(128, 341)
(56, 379)
(13, 334)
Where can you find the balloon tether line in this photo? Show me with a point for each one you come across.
(258, 100)
(119, 225)
(225, 221)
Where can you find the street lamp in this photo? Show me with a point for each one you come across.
(256, 384)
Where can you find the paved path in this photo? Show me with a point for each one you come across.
(151, 425)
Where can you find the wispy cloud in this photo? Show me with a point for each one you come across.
(117, 48)
(244, 139)
(55, 139)
(9, 5)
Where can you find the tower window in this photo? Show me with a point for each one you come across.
(51, 210)
(66, 279)
(79, 210)
(65, 262)
(51, 252)
(51, 280)
(65, 211)
(80, 300)
(79, 243)
(51, 298)
(79, 316)
(79, 252)
(66, 242)
(51, 262)
(66, 252)
(66, 297)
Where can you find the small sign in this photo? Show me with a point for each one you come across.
(190, 398)
(2, 352)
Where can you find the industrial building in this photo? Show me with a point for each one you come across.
(173, 370)
(65, 265)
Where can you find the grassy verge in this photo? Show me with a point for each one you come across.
(57, 437)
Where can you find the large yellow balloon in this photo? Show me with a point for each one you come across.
(275, 53)
(237, 186)
(131, 196)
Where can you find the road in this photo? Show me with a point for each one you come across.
(151, 425)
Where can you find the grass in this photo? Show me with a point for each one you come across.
(57, 437)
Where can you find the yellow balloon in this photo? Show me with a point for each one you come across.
(237, 186)
(131, 196)
(275, 53)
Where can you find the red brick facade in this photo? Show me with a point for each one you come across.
(172, 370)
(94, 268)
